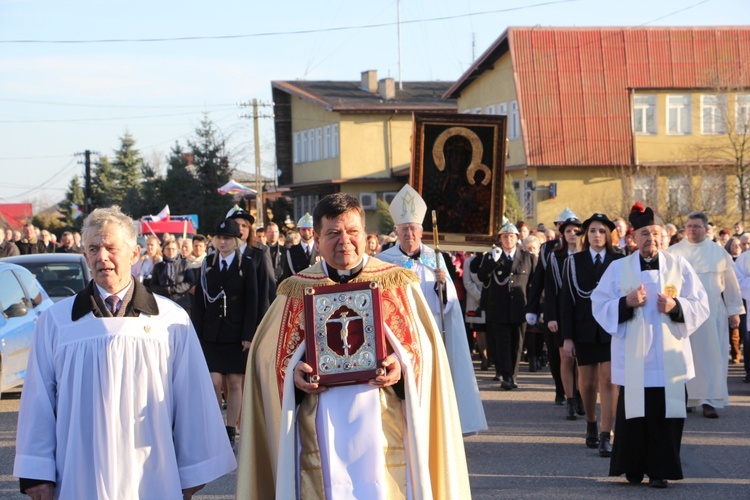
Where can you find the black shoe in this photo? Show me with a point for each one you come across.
(560, 399)
(506, 385)
(634, 478)
(484, 366)
(708, 412)
(746, 379)
(571, 414)
(658, 483)
(533, 364)
(579, 405)
(232, 433)
(496, 378)
(605, 448)
(513, 383)
(592, 434)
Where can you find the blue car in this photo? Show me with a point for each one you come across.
(22, 301)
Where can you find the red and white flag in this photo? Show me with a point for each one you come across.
(163, 215)
(77, 212)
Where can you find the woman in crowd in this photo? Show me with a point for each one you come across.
(171, 277)
(229, 303)
(186, 247)
(144, 267)
(373, 245)
(582, 335)
(553, 281)
(734, 248)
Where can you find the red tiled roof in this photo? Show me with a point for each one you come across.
(573, 84)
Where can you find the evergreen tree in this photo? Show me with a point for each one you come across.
(103, 184)
(181, 189)
(211, 163)
(74, 195)
(151, 199)
(127, 166)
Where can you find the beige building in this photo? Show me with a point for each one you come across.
(601, 117)
(351, 136)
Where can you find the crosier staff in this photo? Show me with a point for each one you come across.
(438, 258)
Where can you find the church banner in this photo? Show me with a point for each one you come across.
(458, 167)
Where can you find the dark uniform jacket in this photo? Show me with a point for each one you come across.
(278, 256)
(507, 303)
(536, 299)
(296, 260)
(576, 318)
(553, 276)
(245, 284)
(176, 290)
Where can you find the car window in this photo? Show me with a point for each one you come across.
(59, 278)
(11, 293)
(31, 286)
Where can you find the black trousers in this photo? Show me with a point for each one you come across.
(553, 354)
(650, 444)
(506, 341)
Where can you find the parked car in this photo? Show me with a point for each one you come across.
(22, 301)
(61, 274)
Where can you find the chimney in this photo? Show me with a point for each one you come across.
(369, 81)
(387, 89)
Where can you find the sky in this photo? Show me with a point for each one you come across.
(78, 75)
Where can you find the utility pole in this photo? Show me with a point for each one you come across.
(259, 205)
(87, 197)
(398, 23)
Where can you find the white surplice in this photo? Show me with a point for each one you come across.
(710, 343)
(120, 408)
(742, 271)
(469, 401)
(605, 301)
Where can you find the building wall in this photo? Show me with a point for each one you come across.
(306, 116)
(372, 145)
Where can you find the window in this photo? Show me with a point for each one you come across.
(644, 190)
(66, 273)
(327, 142)
(644, 114)
(712, 114)
(678, 115)
(678, 195)
(489, 110)
(309, 154)
(296, 147)
(12, 298)
(514, 125)
(318, 144)
(334, 141)
(743, 114)
(502, 109)
(303, 205)
(714, 193)
(303, 146)
(527, 202)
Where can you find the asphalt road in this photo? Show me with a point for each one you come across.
(531, 451)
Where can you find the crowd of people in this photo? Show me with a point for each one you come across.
(638, 316)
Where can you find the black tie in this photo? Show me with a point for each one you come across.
(307, 252)
(223, 266)
(598, 265)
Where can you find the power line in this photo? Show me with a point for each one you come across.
(72, 120)
(281, 33)
(124, 106)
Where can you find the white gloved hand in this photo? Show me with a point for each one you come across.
(531, 318)
(496, 253)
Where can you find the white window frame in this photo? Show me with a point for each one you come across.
(476, 111)
(678, 193)
(335, 140)
(679, 115)
(318, 143)
(713, 107)
(714, 193)
(310, 145)
(644, 114)
(326, 142)
(303, 146)
(742, 114)
(295, 148)
(514, 122)
(489, 110)
(502, 108)
(644, 189)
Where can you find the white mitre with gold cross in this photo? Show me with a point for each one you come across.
(408, 207)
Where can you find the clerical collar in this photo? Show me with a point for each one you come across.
(344, 276)
(416, 255)
(651, 264)
(121, 294)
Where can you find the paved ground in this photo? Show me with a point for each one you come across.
(531, 451)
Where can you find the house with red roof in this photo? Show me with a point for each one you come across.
(601, 117)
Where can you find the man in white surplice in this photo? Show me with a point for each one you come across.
(650, 302)
(715, 269)
(408, 210)
(118, 402)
